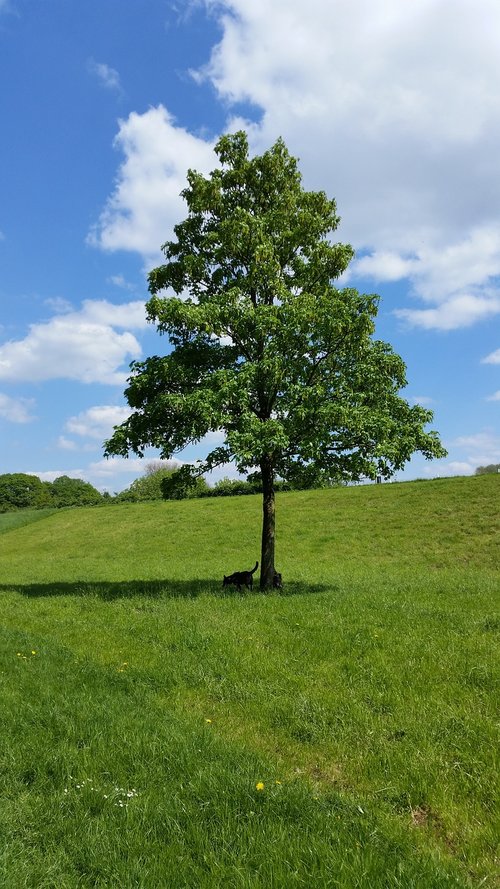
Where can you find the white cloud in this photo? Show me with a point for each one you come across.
(459, 278)
(107, 76)
(15, 410)
(97, 422)
(66, 444)
(113, 466)
(384, 266)
(83, 345)
(395, 65)
(482, 448)
(391, 107)
(454, 467)
(453, 313)
(51, 474)
(120, 281)
(114, 473)
(58, 305)
(423, 400)
(493, 358)
(122, 315)
(146, 204)
(466, 453)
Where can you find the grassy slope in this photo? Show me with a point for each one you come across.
(11, 520)
(367, 689)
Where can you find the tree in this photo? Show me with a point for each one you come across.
(184, 483)
(162, 481)
(265, 348)
(21, 491)
(147, 487)
(66, 491)
(487, 470)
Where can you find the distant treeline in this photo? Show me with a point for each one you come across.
(21, 491)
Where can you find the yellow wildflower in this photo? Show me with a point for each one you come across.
(259, 785)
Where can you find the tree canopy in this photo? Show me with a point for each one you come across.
(265, 349)
(19, 491)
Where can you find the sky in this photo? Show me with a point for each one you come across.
(391, 108)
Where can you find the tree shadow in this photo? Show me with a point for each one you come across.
(156, 589)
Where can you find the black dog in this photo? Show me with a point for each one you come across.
(241, 578)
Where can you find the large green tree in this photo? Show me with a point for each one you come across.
(264, 347)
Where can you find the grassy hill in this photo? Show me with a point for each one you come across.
(143, 706)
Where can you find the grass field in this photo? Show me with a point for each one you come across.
(158, 731)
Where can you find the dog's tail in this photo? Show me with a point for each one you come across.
(254, 569)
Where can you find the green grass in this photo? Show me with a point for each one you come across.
(364, 695)
(11, 520)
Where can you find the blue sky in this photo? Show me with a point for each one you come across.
(392, 108)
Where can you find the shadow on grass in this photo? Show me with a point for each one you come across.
(159, 589)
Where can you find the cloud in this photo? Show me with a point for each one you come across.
(107, 474)
(108, 77)
(84, 345)
(66, 444)
(50, 475)
(423, 400)
(453, 467)
(455, 312)
(58, 304)
(146, 204)
(15, 410)
(120, 281)
(113, 466)
(460, 278)
(97, 422)
(493, 358)
(482, 448)
(494, 397)
(384, 266)
(392, 108)
(468, 452)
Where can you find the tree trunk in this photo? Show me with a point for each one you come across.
(268, 525)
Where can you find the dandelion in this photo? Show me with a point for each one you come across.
(33, 652)
(259, 785)
(208, 720)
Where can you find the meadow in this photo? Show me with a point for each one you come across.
(158, 731)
